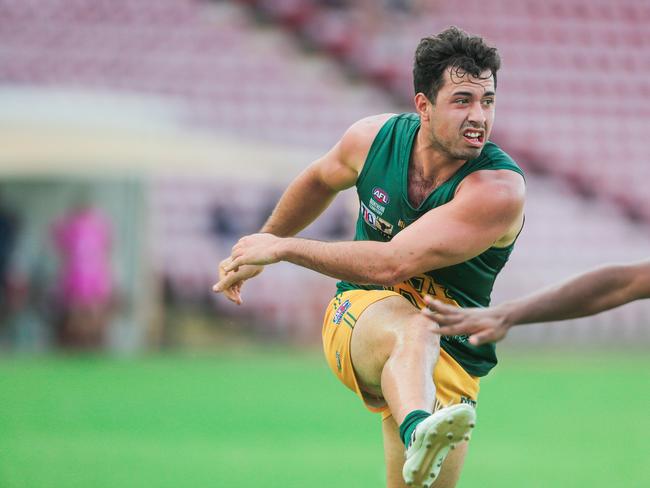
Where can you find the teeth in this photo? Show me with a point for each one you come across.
(472, 134)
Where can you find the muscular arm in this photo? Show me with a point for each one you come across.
(310, 194)
(315, 188)
(307, 196)
(487, 205)
(586, 294)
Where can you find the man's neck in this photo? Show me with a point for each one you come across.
(432, 163)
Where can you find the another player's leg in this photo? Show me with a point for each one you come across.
(394, 456)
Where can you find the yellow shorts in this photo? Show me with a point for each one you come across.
(453, 383)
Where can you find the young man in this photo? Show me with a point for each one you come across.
(586, 294)
(440, 209)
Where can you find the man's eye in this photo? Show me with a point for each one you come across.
(488, 101)
(461, 101)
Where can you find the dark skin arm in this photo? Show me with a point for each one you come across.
(586, 294)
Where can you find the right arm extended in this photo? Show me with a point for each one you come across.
(311, 193)
(586, 294)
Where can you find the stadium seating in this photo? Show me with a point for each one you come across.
(574, 93)
(198, 53)
(574, 107)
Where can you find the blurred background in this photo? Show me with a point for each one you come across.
(140, 139)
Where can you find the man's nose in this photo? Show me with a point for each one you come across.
(477, 114)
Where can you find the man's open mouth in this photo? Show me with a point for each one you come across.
(474, 137)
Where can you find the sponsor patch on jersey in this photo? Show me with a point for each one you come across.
(368, 215)
(375, 222)
(375, 207)
(340, 312)
(380, 195)
(384, 227)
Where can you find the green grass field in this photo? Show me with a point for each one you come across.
(280, 419)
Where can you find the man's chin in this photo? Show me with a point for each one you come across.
(469, 153)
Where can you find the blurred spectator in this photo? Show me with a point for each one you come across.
(335, 3)
(223, 222)
(8, 233)
(82, 238)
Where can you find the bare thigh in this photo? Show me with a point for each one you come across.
(394, 456)
(376, 332)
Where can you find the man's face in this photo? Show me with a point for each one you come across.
(461, 118)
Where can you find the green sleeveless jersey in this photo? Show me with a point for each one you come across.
(385, 210)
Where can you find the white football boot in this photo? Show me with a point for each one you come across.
(431, 441)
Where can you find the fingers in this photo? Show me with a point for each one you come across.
(223, 265)
(236, 258)
(481, 327)
(452, 320)
(233, 295)
(232, 266)
(230, 281)
(483, 337)
(438, 306)
(230, 293)
(440, 319)
(225, 283)
(453, 330)
(230, 285)
(443, 314)
(226, 280)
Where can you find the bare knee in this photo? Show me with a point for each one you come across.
(419, 331)
(386, 329)
(408, 335)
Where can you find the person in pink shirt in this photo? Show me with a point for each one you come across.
(82, 238)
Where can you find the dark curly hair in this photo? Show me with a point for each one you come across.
(452, 48)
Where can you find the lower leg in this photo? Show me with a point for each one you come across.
(394, 457)
(394, 351)
(407, 376)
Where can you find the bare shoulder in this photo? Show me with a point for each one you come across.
(371, 123)
(500, 187)
(355, 143)
(496, 197)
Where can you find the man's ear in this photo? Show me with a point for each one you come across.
(422, 104)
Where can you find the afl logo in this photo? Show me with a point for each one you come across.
(380, 195)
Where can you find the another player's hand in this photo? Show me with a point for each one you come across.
(258, 249)
(482, 325)
(230, 282)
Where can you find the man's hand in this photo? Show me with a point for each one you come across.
(257, 249)
(481, 324)
(230, 283)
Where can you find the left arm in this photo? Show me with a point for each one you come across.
(488, 205)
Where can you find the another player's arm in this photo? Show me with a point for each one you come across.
(488, 205)
(586, 294)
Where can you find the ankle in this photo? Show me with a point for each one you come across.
(411, 421)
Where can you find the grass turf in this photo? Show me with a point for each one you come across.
(280, 419)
